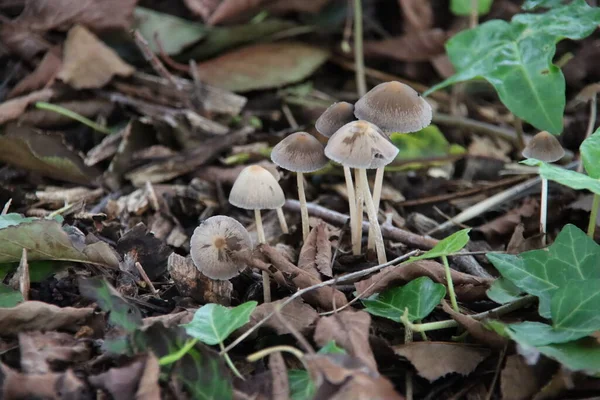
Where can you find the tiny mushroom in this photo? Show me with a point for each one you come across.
(256, 189)
(300, 152)
(214, 244)
(544, 147)
(362, 145)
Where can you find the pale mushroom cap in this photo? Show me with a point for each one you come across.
(213, 244)
(360, 144)
(299, 152)
(336, 116)
(544, 147)
(256, 189)
(394, 107)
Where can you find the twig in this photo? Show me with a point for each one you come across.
(6, 207)
(151, 58)
(140, 269)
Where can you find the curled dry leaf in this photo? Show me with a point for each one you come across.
(434, 360)
(297, 313)
(350, 330)
(506, 224)
(44, 352)
(467, 287)
(20, 280)
(412, 47)
(88, 63)
(15, 385)
(43, 75)
(280, 383)
(37, 316)
(315, 255)
(14, 108)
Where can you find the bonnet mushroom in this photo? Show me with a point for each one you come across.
(257, 189)
(213, 245)
(362, 145)
(300, 153)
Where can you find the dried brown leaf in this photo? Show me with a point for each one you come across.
(121, 383)
(149, 389)
(467, 287)
(14, 108)
(42, 76)
(235, 10)
(412, 47)
(297, 313)
(315, 255)
(44, 352)
(20, 280)
(417, 15)
(280, 385)
(433, 360)
(506, 224)
(88, 63)
(36, 316)
(50, 386)
(21, 41)
(518, 244)
(350, 330)
(518, 381)
(476, 328)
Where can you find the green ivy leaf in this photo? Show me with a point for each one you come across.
(12, 219)
(503, 291)
(420, 296)
(590, 154)
(9, 297)
(533, 4)
(573, 256)
(572, 179)
(463, 7)
(450, 245)
(516, 59)
(331, 348)
(301, 386)
(213, 323)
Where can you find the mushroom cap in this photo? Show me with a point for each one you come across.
(337, 115)
(394, 107)
(544, 147)
(256, 189)
(360, 144)
(213, 244)
(299, 152)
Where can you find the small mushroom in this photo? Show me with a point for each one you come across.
(257, 189)
(544, 147)
(300, 153)
(214, 243)
(362, 145)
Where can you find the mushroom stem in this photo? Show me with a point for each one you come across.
(544, 210)
(372, 213)
(360, 200)
(351, 208)
(377, 187)
(261, 239)
(303, 208)
(282, 222)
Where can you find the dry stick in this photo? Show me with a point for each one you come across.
(301, 292)
(352, 210)
(261, 239)
(151, 58)
(372, 213)
(303, 210)
(377, 187)
(140, 269)
(360, 200)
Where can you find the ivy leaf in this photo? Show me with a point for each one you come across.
(420, 296)
(213, 323)
(450, 245)
(9, 297)
(533, 4)
(12, 219)
(572, 179)
(503, 291)
(463, 7)
(590, 154)
(301, 386)
(516, 59)
(573, 256)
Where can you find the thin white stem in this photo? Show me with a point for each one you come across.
(351, 208)
(282, 222)
(372, 213)
(261, 239)
(377, 187)
(544, 209)
(360, 199)
(303, 209)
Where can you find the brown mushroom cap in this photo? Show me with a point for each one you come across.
(394, 107)
(336, 116)
(256, 189)
(299, 152)
(213, 244)
(360, 144)
(544, 147)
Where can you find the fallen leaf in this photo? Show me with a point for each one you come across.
(416, 14)
(411, 47)
(20, 280)
(43, 75)
(122, 383)
(506, 224)
(20, 40)
(350, 330)
(297, 313)
(434, 360)
(488, 147)
(517, 379)
(36, 316)
(467, 287)
(148, 388)
(203, 8)
(518, 244)
(280, 386)
(231, 10)
(44, 352)
(51, 386)
(139, 245)
(14, 108)
(315, 255)
(262, 66)
(88, 63)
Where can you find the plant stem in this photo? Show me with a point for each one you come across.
(229, 362)
(474, 17)
(178, 355)
(544, 210)
(361, 82)
(408, 338)
(303, 209)
(351, 209)
(591, 124)
(73, 115)
(360, 200)
(270, 350)
(282, 222)
(593, 216)
(450, 284)
(377, 187)
(372, 213)
(261, 239)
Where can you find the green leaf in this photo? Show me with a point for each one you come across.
(572, 179)
(463, 7)
(516, 59)
(331, 348)
(12, 219)
(590, 154)
(9, 297)
(533, 4)
(572, 257)
(174, 34)
(503, 291)
(109, 300)
(420, 296)
(450, 245)
(301, 386)
(213, 323)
